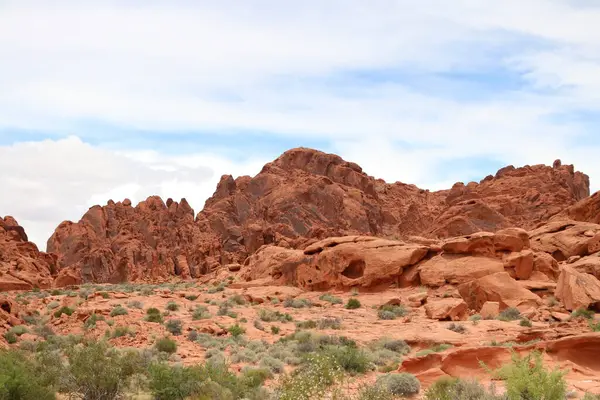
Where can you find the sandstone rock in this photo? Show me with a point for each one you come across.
(546, 264)
(519, 264)
(498, 287)
(233, 267)
(22, 265)
(563, 239)
(447, 309)
(490, 310)
(455, 269)
(576, 289)
(418, 299)
(589, 265)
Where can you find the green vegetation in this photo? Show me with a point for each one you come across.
(118, 310)
(154, 315)
(174, 326)
(353, 304)
(583, 313)
(172, 306)
(166, 345)
(388, 312)
(509, 314)
(64, 310)
(330, 298)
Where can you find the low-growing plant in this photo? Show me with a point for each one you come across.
(166, 345)
(457, 389)
(52, 305)
(118, 310)
(200, 312)
(258, 325)
(583, 313)
(154, 315)
(174, 326)
(330, 323)
(526, 323)
(63, 310)
(296, 303)
(309, 324)
(172, 306)
(90, 323)
(388, 312)
(275, 330)
(10, 337)
(135, 304)
(19, 378)
(330, 298)
(121, 331)
(402, 384)
(270, 316)
(191, 297)
(509, 314)
(353, 304)
(236, 330)
(458, 328)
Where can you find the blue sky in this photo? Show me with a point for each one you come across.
(104, 100)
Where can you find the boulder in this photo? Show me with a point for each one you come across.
(565, 238)
(519, 264)
(490, 310)
(456, 269)
(498, 287)
(577, 289)
(448, 309)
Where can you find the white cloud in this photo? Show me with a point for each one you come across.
(286, 68)
(52, 181)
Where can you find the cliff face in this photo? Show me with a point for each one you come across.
(302, 197)
(22, 265)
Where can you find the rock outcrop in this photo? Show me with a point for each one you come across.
(22, 265)
(119, 242)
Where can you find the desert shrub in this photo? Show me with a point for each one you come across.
(19, 330)
(509, 314)
(297, 303)
(475, 319)
(96, 372)
(90, 323)
(458, 328)
(255, 377)
(19, 379)
(351, 359)
(238, 299)
(236, 330)
(395, 345)
(402, 384)
(118, 310)
(311, 380)
(388, 312)
(52, 305)
(172, 306)
(121, 331)
(154, 315)
(44, 331)
(457, 389)
(526, 378)
(270, 316)
(192, 336)
(175, 382)
(590, 396)
(353, 304)
(166, 345)
(174, 326)
(275, 330)
(135, 304)
(310, 324)
(191, 297)
(330, 323)
(200, 312)
(368, 392)
(330, 298)
(104, 295)
(10, 337)
(526, 323)
(63, 310)
(272, 364)
(583, 313)
(258, 325)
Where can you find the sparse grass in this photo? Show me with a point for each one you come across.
(53, 305)
(236, 330)
(309, 324)
(583, 313)
(509, 314)
(154, 315)
(389, 312)
(402, 384)
(270, 316)
(200, 312)
(121, 331)
(525, 322)
(258, 325)
(166, 345)
(330, 298)
(191, 297)
(275, 330)
(64, 310)
(174, 326)
(237, 299)
(438, 348)
(135, 304)
(448, 388)
(475, 319)
(297, 303)
(458, 328)
(172, 306)
(10, 337)
(330, 323)
(353, 304)
(118, 310)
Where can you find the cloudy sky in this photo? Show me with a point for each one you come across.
(114, 99)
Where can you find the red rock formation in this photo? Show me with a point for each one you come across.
(22, 265)
(119, 242)
(302, 197)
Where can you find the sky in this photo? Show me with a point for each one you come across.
(121, 99)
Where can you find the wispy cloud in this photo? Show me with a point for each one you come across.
(427, 92)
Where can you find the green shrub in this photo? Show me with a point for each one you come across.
(368, 392)
(99, 372)
(236, 330)
(330, 298)
(297, 303)
(273, 364)
(135, 304)
(510, 314)
(19, 330)
(153, 315)
(172, 306)
(350, 359)
(458, 328)
(104, 295)
(174, 326)
(52, 305)
(270, 316)
(20, 380)
(118, 310)
(526, 323)
(353, 304)
(90, 323)
(388, 312)
(63, 310)
(121, 331)
(526, 378)
(583, 313)
(191, 297)
(200, 312)
(255, 377)
(56, 292)
(457, 389)
(10, 337)
(166, 345)
(275, 330)
(330, 323)
(402, 384)
(310, 324)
